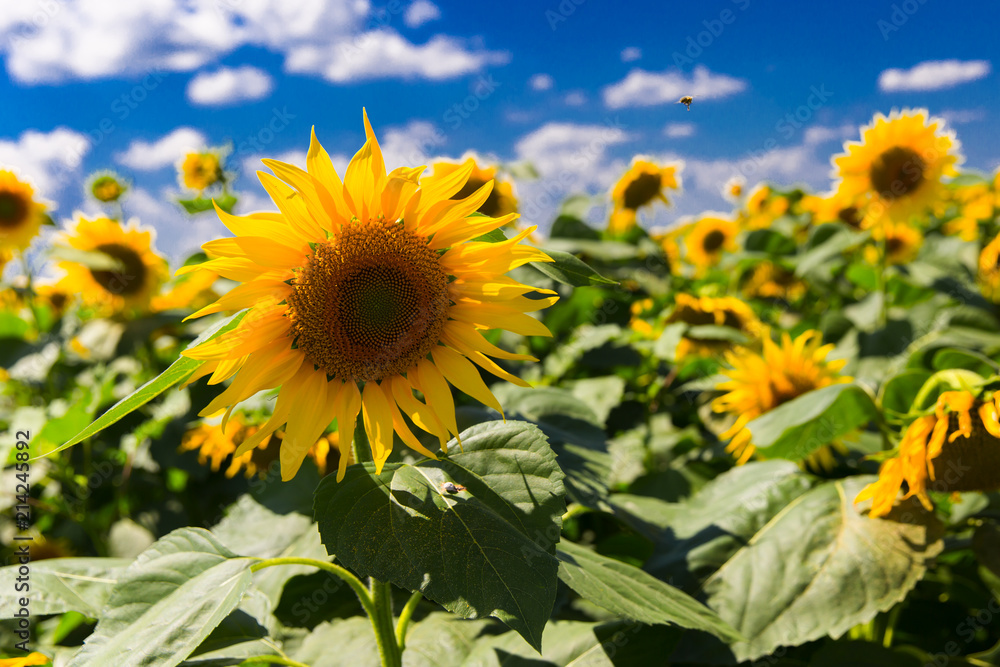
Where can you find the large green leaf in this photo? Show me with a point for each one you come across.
(63, 584)
(799, 427)
(178, 371)
(167, 602)
(628, 591)
(819, 567)
(570, 270)
(485, 550)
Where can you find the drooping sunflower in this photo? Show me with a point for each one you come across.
(501, 201)
(644, 183)
(768, 280)
(955, 449)
(898, 165)
(989, 270)
(200, 171)
(708, 238)
(715, 311)
(358, 293)
(21, 215)
(141, 269)
(760, 382)
(902, 242)
(106, 187)
(763, 207)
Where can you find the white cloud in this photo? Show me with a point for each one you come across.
(227, 86)
(147, 156)
(631, 53)
(642, 88)
(411, 145)
(962, 116)
(541, 82)
(679, 130)
(49, 41)
(820, 134)
(48, 160)
(420, 12)
(178, 234)
(575, 99)
(383, 54)
(933, 75)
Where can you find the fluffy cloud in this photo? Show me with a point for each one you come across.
(48, 160)
(933, 75)
(178, 235)
(147, 156)
(631, 53)
(48, 41)
(576, 98)
(541, 82)
(420, 12)
(679, 130)
(642, 88)
(227, 86)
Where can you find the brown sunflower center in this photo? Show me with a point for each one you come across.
(126, 281)
(850, 216)
(894, 246)
(13, 210)
(967, 464)
(713, 240)
(642, 190)
(897, 172)
(491, 206)
(369, 303)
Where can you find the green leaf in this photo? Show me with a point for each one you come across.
(799, 427)
(196, 205)
(819, 567)
(92, 259)
(496, 236)
(13, 326)
(628, 591)
(570, 227)
(346, 643)
(62, 584)
(770, 242)
(167, 602)
(226, 202)
(716, 332)
(898, 392)
(570, 270)
(178, 371)
(487, 550)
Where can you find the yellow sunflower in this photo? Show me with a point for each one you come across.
(190, 292)
(902, 242)
(21, 215)
(641, 310)
(200, 171)
(372, 281)
(501, 201)
(33, 659)
(722, 311)
(671, 251)
(106, 187)
(973, 204)
(768, 280)
(763, 207)
(989, 270)
(955, 449)
(644, 183)
(132, 285)
(706, 239)
(760, 382)
(898, 165)
(734, 188)
(835, 208)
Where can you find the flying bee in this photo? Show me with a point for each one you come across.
(686, 101)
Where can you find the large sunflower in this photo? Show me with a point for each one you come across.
(898, 165)
(501, 200)
(701, 311)
(643, 184)
(21, 215)
(140, 273)
(955, 449)
(360, 292)
(708, 238)
(760, 382)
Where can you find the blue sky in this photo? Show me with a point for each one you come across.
(575, 87)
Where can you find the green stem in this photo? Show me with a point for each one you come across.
(574, 510)
(890, 625)
(883, 315)
(348, 578)
(404, 619)
(382, 623)
(271, 660)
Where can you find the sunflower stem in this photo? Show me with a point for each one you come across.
(383, 625)
(404, 618)
(359, 588)
(883, 251)
(260, 661)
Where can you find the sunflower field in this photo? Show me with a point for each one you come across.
(392, 424)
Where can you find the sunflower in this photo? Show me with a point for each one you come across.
(898, 165)
(973, 204)
(33, 659)
(763, 207)
(372, 281)
(190, 292)
(200, 171)
(902, 243)
(706, 239)
(216, 444)
(768, 280)
(671, 251)
(641, 310)
(21, 215)
(501, 201)
(957, 449)
(133, 284)
(760, 382)
(700, 311)
(106, 187)
(989, 270)
(835, 208)
(641, 185)
(734, 188)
